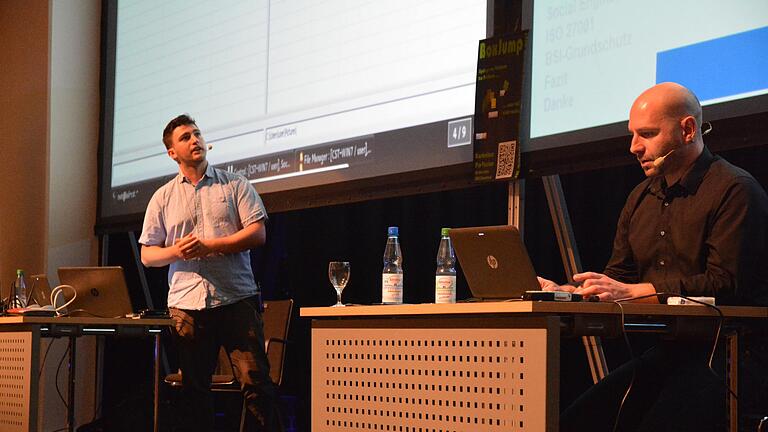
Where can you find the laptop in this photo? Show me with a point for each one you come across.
(38, 299)
(495, 262)
(101, 291)
(39, 290)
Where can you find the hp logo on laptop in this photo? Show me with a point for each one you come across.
(492, 262)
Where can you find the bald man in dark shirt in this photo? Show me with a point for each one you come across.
(697, 226)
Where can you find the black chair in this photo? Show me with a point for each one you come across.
(277, 320)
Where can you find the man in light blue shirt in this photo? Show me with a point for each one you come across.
(202, 224)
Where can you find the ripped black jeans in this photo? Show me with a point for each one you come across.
(239, 329)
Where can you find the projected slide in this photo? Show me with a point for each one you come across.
(591, 58)
(287, 89)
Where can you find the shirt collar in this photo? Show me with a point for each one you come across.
(695, 176)
(209, 172)
(690, 183)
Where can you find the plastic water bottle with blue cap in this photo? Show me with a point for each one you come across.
(392, 274)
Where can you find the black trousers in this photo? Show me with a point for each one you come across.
(673, 390)
(237, 327)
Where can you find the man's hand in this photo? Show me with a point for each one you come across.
(182, 245)
(608, 289)
(191, 247)
(548, 285)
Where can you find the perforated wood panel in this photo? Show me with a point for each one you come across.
(429, 380)
(15, 375)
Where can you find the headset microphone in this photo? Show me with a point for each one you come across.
(210, 146)
(659, 161)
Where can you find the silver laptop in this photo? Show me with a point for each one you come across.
(101, 291)
(39, 290)
(495, 262)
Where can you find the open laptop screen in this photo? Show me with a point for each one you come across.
(101, 291)
(495, 261)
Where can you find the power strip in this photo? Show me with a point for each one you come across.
(686, 301)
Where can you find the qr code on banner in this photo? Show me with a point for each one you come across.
(505, 159)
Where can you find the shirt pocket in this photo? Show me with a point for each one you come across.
(220, 211)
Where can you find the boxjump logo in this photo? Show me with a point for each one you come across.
(501, 47)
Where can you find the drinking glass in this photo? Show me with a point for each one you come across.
(338, 273)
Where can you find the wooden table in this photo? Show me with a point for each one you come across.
(488, 366)
(20, 360)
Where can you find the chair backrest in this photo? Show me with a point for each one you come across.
(277, 320)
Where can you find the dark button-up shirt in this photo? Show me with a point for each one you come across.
(706, 235)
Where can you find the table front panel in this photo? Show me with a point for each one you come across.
(16, 360)
(429, 379)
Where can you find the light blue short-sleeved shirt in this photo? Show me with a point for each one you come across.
(221, 204)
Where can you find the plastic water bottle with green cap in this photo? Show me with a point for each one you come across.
(445, 275)
(19, 299)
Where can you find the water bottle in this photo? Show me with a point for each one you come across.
(392, 274)
(19, 290)
(445, 275)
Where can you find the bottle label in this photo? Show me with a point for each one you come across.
(392, 288)
(445, 289)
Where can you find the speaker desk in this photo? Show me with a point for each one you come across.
(491, 366)
(20, 360)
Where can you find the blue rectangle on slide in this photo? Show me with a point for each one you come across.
(720, 67)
